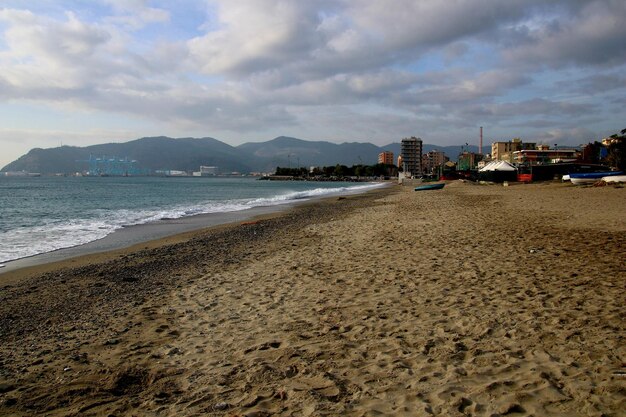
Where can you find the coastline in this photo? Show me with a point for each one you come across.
(146, 235)
(481, 300)
(136, 237)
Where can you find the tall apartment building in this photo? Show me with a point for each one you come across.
(433, 160)
(503, 151)
(411, 150)
(385, 157)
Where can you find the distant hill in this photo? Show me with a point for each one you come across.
(284, 151)
(187, 154)
(155, 153)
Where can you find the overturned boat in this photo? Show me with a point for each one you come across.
(435, 186)
(591, 177)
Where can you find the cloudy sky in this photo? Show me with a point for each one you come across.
(80, 72)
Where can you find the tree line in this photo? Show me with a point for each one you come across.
(378, 170)
(613, 155)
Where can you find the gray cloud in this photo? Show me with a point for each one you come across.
(541, 107)
(595, 84)
(592, 35)
(331, 68)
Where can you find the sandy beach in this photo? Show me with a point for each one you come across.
(472, 300)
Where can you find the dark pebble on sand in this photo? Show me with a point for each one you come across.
(10, 401)
(6, 387)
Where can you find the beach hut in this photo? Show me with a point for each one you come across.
(498, 171)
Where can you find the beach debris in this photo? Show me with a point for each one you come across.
(220, 406)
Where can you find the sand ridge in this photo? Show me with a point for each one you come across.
(472, 300)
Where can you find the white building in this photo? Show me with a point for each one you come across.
(206, 171)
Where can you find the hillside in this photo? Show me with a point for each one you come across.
(155, 153)
(286, 151)
(187, 154)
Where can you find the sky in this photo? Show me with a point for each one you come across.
(81, 72)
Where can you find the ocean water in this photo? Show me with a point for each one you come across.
(43, 214)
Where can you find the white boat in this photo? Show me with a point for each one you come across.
(579, 181)
(591, 177)
(614, 178)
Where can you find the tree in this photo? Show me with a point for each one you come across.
(591, 153)
(617, 151)
(340, 170)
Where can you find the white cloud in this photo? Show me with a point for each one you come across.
(135, 14)
(266, 65)
(255, 35)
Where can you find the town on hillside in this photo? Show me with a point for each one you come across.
(513, 160)
(509, 161)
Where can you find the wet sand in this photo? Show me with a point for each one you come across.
(472, 300)
(137, 235)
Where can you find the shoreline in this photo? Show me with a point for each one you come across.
(146, 235)
(139, 236)
(481, 300)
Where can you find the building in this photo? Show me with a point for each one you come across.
(206, 171)
(612, 140)
(468, 161)
(386, 158)
(503, 151)
(544, 156)
(432, 160)
(411, 150)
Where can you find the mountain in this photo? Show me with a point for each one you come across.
(155, 153)
(187, 154)
(285, 151)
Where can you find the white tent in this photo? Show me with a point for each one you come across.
(498, 166)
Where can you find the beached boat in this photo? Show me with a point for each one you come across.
(591, 177)
(614, 178)
(436, 186)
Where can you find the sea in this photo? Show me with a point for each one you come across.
(43, 214)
